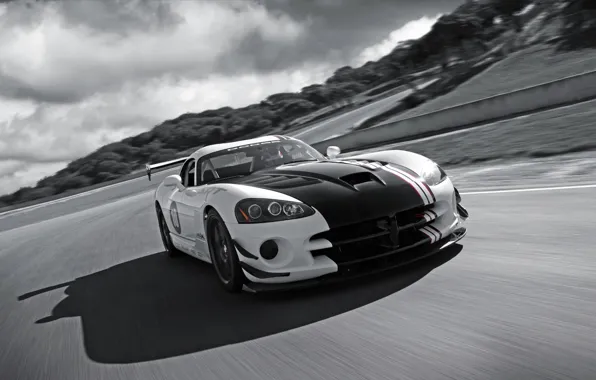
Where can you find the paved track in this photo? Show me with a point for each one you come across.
(90, 295)
(340, 124)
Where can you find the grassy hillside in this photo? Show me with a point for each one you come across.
(529, 67)
(551, 133)
(467, 33)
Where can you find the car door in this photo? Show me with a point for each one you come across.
(204, 175)
(183, 201)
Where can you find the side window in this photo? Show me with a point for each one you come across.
(206, 172)
(188, 173)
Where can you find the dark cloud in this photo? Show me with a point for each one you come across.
(284, 36)
(351, 25)
(113, 16)
(337, 30)
(21, 90)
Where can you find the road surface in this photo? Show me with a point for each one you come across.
(340, 124)
(89, 294)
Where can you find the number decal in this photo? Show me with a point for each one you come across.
(175, 217)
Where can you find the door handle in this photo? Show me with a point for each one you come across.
(191, 192)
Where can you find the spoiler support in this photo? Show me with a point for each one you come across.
(159, 165)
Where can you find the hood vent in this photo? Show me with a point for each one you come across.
(356, 179)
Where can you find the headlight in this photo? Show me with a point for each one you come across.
(432, 173)
(270, 210)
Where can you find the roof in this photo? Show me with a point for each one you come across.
(217, 147)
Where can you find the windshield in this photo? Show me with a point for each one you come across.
(247, 159)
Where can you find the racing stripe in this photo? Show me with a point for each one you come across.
(419, 182)
(370, 165)
(418, 189)
(429, 234)
(373, 165)
(362, 163)
(434, 229)
(436, 236)
(429, 215)
(428, 199)
(429, 191)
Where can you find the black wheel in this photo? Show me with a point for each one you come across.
(164, 231)
(223, 253)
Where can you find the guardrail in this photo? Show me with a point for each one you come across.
(557, 93)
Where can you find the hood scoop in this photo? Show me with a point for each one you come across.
(360, 178)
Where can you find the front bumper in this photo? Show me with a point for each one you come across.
(350, 271)
(310, 250)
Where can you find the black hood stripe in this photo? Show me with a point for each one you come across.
(415, 186)
(343, 192)
(418, 185)
(417, 179)
(421, 186)
(419, 182)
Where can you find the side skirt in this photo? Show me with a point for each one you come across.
(189, 247)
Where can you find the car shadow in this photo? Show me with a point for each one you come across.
(154, 307)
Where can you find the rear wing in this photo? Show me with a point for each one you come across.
(159, 165)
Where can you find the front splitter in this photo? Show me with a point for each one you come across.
(351, 275)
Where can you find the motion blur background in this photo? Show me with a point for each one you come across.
(76, 75)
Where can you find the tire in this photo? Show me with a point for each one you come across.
(166, 239)
(223, 254)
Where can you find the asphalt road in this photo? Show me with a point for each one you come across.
(340, 124)
(89, 294)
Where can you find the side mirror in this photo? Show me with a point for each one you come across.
(333, 151)
(173, 180)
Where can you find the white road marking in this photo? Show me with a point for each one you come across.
(532, 189)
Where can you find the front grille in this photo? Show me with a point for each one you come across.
(368, 239)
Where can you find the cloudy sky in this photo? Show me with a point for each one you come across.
(78, 74)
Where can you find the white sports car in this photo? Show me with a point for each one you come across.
(273, 213)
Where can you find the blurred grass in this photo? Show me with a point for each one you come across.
(559, 131)
(532, 66)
